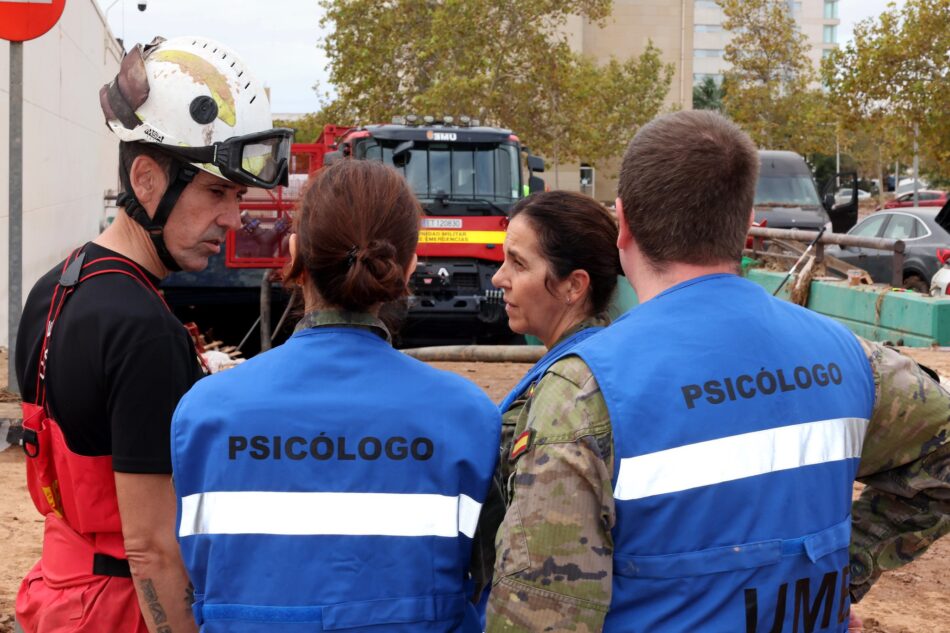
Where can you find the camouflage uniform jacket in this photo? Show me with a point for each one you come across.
(554, 566)
(513, 423)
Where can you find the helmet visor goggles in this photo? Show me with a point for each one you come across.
(255, 160)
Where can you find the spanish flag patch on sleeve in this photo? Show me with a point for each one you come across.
(520, 445)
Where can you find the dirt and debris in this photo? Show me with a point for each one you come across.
(913, 599)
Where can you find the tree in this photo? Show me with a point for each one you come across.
(768, 88)
(505, 62)
(893, 77)
(707, 95)
(307, 128)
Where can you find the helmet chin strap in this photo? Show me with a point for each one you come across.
(181, 174)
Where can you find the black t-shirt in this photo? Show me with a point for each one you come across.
(118, 363)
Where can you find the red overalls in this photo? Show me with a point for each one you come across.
(82, 582)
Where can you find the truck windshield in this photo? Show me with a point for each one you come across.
(786, 191)
(454, 171)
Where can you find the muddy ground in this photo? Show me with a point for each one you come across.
(914, 599)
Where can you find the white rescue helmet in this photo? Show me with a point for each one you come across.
(196, 100)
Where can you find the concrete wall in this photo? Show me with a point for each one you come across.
(633, 23)
(69, 156)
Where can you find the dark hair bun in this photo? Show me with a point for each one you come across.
(374, 275)
(357, 226)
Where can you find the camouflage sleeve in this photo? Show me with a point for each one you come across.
(906, 467)
(555, 550)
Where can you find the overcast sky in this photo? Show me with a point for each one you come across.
(279, 38)
(852, 11)
(276, 38)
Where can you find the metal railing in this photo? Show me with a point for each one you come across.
(760, 234)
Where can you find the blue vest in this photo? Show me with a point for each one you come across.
(738, 421)
(552, 356)
(332, 483)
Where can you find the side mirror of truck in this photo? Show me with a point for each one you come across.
(401, 153)
(535, 164)
(535, 184)
(331, 157)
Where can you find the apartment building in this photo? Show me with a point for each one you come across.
(690, 35)
(816, 19)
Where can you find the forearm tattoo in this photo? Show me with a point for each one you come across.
(154, 606)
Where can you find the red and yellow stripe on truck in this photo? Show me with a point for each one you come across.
(478, 237)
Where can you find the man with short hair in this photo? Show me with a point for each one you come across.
(103, 361)
(691, 467)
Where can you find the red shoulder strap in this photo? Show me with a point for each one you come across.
(139, 275)
(64, 289)
(55, 307)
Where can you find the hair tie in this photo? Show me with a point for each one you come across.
(351, 256)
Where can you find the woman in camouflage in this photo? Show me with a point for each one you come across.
(559, 275)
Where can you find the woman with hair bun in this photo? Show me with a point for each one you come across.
(333, 482)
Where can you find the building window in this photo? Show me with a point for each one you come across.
(708, 52)
(795, 8)
(826, 52)
(707, 28)
(706, 4)
(699, 78)
(830, 34)
(831, 9)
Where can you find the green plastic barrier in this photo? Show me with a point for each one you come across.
(623, 299)
(877, 313)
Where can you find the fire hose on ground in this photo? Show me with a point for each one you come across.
(478, 353)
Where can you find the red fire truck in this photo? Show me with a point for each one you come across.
(466, 176)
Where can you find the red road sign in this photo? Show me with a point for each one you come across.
(22, 20)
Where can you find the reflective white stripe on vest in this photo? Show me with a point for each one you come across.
(739, 456)
(338, 513)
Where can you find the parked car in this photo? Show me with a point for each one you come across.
(786, 197)
(926, 198)
(844, 194)
(922, 236)
(906, 185)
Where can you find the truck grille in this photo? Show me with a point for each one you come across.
(466, 281)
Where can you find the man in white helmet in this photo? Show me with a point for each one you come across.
(103, 361)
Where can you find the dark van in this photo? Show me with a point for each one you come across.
(786, 197)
